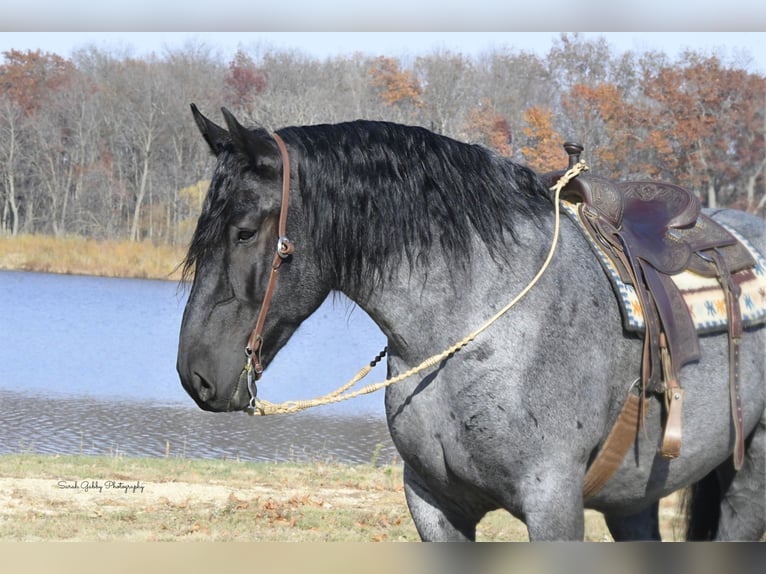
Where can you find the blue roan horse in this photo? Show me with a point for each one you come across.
(431, 237)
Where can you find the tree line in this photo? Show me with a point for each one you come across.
(102, 144)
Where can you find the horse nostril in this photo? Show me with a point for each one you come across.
(205, 390)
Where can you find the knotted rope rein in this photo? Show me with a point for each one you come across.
(263, 407)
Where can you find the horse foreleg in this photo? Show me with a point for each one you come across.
(555, 511)
(432, 519)
(644, 525)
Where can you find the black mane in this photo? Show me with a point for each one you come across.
(375, 192)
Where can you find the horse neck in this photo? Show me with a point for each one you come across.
(425, 309)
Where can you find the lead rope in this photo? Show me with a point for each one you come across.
(263, 407)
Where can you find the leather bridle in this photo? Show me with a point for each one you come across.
(285, 249)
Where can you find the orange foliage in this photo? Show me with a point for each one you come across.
(243, 81)
(490, 127)
(662, 146)
(610, 123)
(396, 85)
(544, 151)
(28, 77)
(696, 106)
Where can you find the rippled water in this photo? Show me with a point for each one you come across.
(88, 365)
(96, 427)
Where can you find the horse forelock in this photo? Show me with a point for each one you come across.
(216, 211)
(376, 193)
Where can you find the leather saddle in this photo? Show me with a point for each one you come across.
(652, 231)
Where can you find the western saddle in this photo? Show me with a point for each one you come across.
(651, 231)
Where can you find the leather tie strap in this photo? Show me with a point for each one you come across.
(732, 292)
(284, 249)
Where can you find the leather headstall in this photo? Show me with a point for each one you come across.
(284, 249)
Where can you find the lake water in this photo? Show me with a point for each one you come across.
(87, 365)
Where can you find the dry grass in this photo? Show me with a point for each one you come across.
(45, 498)
(215, 500)
(80, 256)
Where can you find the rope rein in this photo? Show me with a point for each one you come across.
(263, 407)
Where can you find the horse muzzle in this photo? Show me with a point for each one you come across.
(211, 397)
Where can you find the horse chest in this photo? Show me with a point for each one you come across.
(460, 440)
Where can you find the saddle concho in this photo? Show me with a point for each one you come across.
(703, 296)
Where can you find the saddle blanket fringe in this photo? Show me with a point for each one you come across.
(703, 295)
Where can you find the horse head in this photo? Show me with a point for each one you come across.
(231, 257)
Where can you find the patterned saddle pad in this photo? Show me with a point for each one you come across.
(703, 296)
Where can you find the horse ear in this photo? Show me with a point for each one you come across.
(257, 145)
(215, 136)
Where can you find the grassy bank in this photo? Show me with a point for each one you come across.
(79, 498)
(81, 256)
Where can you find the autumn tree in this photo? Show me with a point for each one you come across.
(749, 144)
(396, 86)
(703, 109)
(28, 78)
(513, 81)
(609, 127)
(543, 145)
(744, 135)
(486, 126)
(29, 82)
(243, 81)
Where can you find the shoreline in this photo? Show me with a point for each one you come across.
(75, 255)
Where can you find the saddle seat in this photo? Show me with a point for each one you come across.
(651, 231)
(647, 210)
(663, 222)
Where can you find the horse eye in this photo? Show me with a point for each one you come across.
(245, 235)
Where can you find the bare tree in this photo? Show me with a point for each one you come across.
(11, 169)
(190, 75)
(450, 91)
